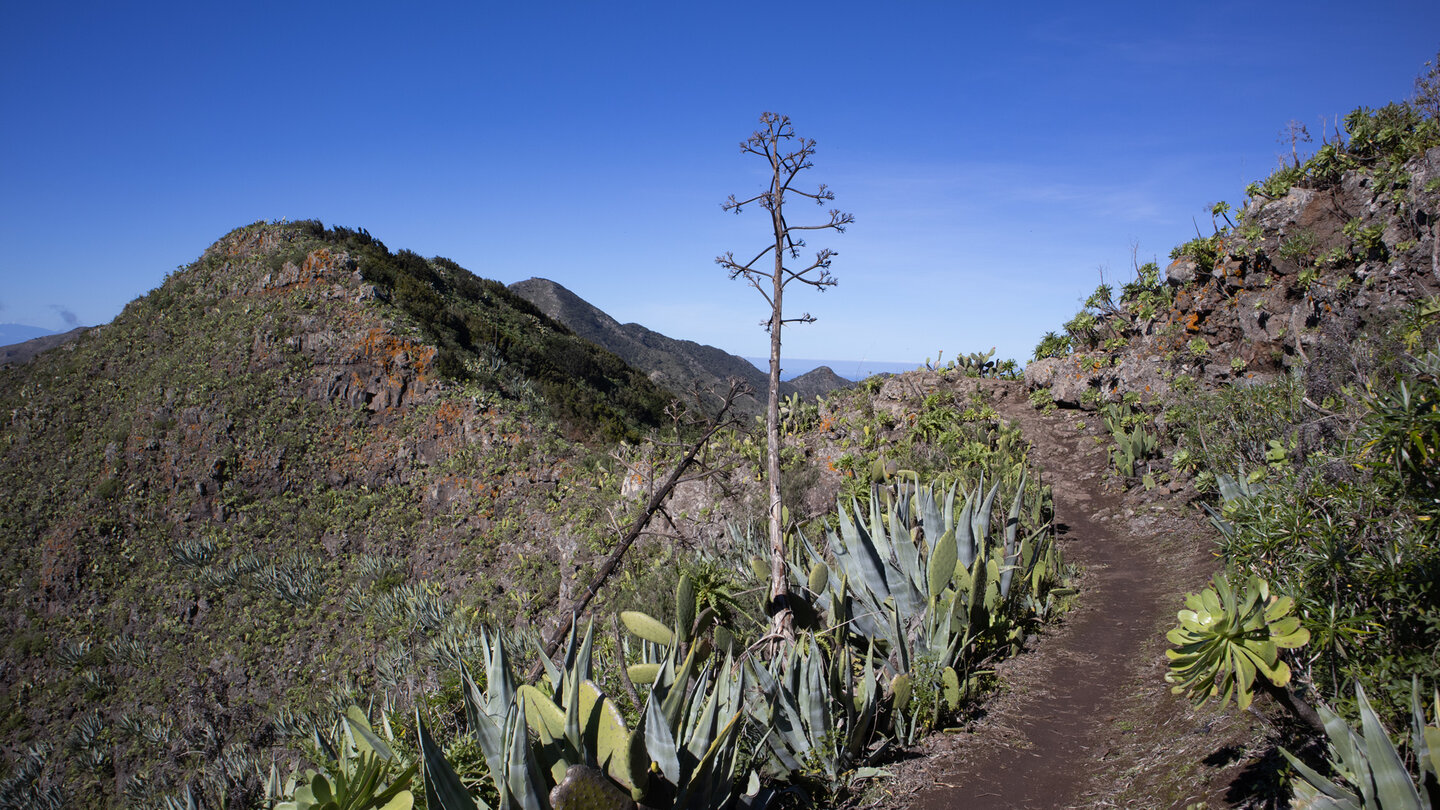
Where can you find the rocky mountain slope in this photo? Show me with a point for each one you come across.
(269, 484)
(679, 365)
(26, 350)
(304, 471)
(1309, 266)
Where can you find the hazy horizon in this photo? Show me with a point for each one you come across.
(853, 370)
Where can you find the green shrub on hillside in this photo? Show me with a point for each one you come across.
(1376, 141)
(1344, 523)
(1110, 323)
(1052, 345)
(1203, 250)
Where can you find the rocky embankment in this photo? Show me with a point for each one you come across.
(1297, 277)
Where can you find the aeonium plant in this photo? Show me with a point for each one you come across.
(1229, 642)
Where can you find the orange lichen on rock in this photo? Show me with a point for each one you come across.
(448, 416)
(318, 262)
(394, 353)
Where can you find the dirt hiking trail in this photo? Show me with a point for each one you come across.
(1083, 717)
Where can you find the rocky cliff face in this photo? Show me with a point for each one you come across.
(1299, 275)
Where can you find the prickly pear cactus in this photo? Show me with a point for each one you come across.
(647, 627)
(585, 788)
(685, 607)
(900, 687)
(950, 688)
(819, 577)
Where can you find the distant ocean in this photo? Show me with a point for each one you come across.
(19, 333)
(791, 368)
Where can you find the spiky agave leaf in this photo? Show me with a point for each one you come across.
(443, 789)
(1393, 785)
(1425, 738)
(1368, 762)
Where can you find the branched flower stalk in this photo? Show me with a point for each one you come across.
(787, 156)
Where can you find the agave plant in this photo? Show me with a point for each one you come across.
(569, 747)
(689, 735)
(1226, 639)
(685, 750)
(1372, 772)
(924, 581)
(576, 723)
(357, 778)
(819, 718)
(496, 717)
(516, 775)
(1133, 443)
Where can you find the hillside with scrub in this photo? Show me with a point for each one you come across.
(308, 472)
(321, 524)
(1282, 376)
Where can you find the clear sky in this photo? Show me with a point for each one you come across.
(997, 157)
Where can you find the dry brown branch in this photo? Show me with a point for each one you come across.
(657, 500)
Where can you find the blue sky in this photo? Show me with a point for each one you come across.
(997, 158)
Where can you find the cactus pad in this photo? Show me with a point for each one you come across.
(585, 788)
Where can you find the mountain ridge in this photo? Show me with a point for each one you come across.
(681, 365)
(25, 350)
(198, 489)
(14, 333)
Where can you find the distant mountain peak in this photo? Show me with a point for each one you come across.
(12, 333)
(680, 365)
(818, 382)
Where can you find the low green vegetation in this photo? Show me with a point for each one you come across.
(1312, 442)
(1107, 323)
(898, 620)
(905, 598)
(1376, 141)
(1324, 482)
(1342, 521)
(1134, 440)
